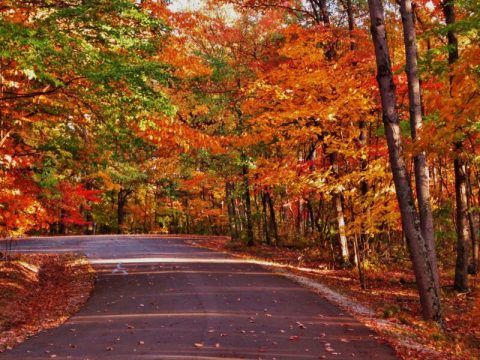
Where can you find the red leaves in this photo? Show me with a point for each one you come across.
(75, 198)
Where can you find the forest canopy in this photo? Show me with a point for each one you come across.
(290, 123)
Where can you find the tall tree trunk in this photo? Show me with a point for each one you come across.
(422, 264)
(229, 187)
(310, 216)
(337, 201)
(422, 180)
(266, 225)
(273, 220)
(121, 202)
(460, 169)
(299, 220)
(463, 227)
(248, 206)
(338, 206)
(361, 240)
(351, 23)
(473, 266)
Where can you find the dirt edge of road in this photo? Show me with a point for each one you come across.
(40, 291)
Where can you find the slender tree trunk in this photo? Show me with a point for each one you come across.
(273, 220)
(299, 219)
(473, 266)
(460, 169)
(337, 201)
(266, 224)
(311, 216)
(422, 180)
(229, 187)
(338, 206)
(121, 202)
(351, 23)
(62, 229)
(248, 206)
(422, 264)
(463, 227)
(359, 263)
(359, 243)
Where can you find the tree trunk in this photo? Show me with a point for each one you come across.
(473, 267)
(422, 180)
(121, 202)
(460, 169)
(299, 220)
(422, 264)
(351, 23)
(229, 187)
(273, 220)
(266, 224)
(337, 203)
(248, 206)
(463, 227)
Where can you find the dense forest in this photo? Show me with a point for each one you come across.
(340, 125)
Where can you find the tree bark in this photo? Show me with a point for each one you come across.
(422, 264)
(473, 267)
(273, 220)
(463, 227)
(229, 187)
(460, 169)
(338, 206)
(422, 179)
(121, 202)
(351, 23)
(266, 225)
(248, 206)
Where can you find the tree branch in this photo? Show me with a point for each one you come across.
(14, 96)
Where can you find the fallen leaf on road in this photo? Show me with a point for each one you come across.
(294, 337)
(300, 325)
(198, 345)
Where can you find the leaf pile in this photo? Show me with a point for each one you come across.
(40, 291)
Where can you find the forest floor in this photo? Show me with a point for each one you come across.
(391, 294)
(40, 291)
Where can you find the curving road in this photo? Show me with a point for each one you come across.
(160, 298)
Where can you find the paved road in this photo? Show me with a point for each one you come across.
(156, 297)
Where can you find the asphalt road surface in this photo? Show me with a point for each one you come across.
(160, 298)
